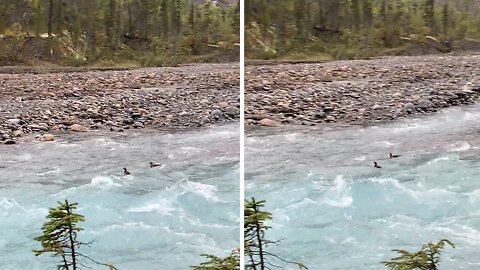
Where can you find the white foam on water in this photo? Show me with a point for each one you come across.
(301, 204)
(250, 186)
(23, 157)
(362, 158)
(474, 196)
(10, 206)
(470, 116)
(385, 144)
(130, 226)
(190, 149)
(7, 204)
(438, 159)
(292, 137)
(103, 182)
(58, 181)
(108, 142)
(204, 190)
(420, 194)
(407, 128)
(49, 172)
(68, 145)
(459, 147)
(339, 194)
(162, 207)
(350, 240)
(460, 232)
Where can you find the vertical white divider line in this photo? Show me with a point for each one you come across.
(242, 130)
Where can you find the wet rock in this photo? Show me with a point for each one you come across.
(205, 120)
(18, 133)
(409, 107)
(269, 123)
(330, 119)
(223, 104)
(128, 121)
(39, 127)
(424, 104)
(9, 141)
(47, 137)
(138, 125)
(116, 129)
(5, 135)
(397, 114)
(217, 114)
(320, 115)
(136, 115)
(328, 109)
(78, 128)
(14, 121)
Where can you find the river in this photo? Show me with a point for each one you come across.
(333, 210)
(156, 218)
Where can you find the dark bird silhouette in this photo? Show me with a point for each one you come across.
(375, 164)
(394, 156)
(154, 164)
(125, 171)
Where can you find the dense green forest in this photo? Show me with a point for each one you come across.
(348, 29)
(118, 32)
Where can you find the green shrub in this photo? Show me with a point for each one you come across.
(427, 258)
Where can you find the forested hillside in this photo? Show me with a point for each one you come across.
(118, 32)
(348, 29)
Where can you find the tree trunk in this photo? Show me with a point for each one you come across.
(71, 238)
(260, 242)
(50, 18)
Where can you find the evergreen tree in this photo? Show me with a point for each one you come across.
(258, 258)
(356, 28)
(430, 13)
(59, 237)
(232, 262)
(427, 258)
(153, 32)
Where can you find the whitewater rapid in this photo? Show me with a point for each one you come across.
(166, 216)
(333, 210)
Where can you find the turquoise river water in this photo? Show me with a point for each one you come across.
(333, 210)
(156, 218)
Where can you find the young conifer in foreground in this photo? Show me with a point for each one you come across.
(60, 237)
(232, 262)
(258, 258)
(428, 258)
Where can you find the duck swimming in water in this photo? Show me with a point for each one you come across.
(394, 156)
(375, 164)
(154, 164)
(125, 171)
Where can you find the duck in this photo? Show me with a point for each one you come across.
(394, 156)
(375, 164)
(154, 164)
(125, 171)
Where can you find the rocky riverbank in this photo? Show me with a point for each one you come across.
(360, 92)
(164, 98)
